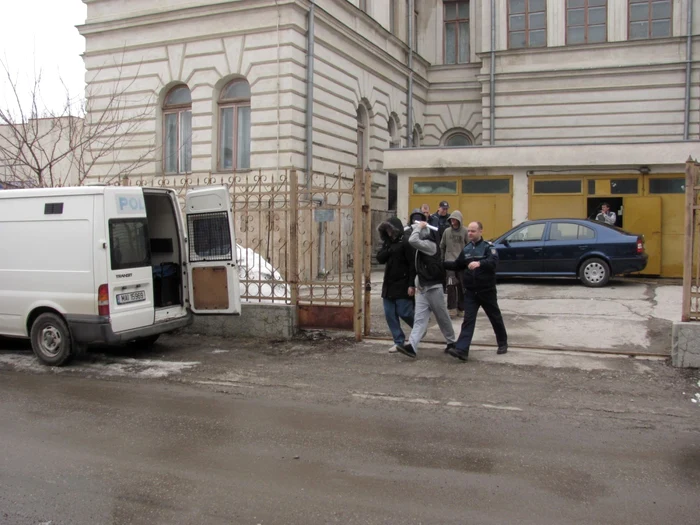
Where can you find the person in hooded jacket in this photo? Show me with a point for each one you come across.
(454, 239)
(430, 280)
(398, 287)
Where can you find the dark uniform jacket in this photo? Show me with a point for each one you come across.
(482, 277)
(398, 257)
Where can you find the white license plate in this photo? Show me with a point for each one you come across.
(131, 297)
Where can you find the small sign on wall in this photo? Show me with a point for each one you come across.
(324, 215)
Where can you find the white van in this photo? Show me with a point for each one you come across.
(111, 264)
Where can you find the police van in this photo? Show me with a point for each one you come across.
(110, 264)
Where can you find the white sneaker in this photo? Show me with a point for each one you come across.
(392, 349)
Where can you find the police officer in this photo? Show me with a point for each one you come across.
(440, 219)
(478, 262)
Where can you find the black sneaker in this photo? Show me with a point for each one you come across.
(502, 349)
(459, 354)
(407, 350)
(450, 346)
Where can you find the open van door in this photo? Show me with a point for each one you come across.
(212, 272)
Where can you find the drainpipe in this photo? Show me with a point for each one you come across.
(309, 165)
(310, 95)
(492, 90)
(688, 64)
(409, 101)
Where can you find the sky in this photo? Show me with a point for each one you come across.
(41, 35)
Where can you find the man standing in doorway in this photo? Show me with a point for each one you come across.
(440, 219)
(478, 262)
(606, 216)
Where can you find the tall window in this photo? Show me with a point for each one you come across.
(456, 16)
(649, 19)
(362, 134)
(177, 120)
(394, 140)
(527, 23)
(586, 21)
(415, 141)
(234, 126)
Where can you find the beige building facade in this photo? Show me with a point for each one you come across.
(563, 104)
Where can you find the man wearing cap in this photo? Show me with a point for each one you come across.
(440, 219)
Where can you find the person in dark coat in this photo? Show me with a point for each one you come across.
(440, 219)
(398, 287)
(478, 262)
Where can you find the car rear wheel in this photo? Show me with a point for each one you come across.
(594, 272)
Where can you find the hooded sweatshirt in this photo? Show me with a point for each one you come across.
(454, 239)
(398, 257)
(429, 270)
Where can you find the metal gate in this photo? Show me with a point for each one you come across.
(691, 252)
(300, 240)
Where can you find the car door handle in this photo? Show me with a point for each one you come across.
(537, 249)
(582, 246)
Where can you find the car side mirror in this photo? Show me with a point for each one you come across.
(505, 242)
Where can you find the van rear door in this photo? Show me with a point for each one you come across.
(212, 273)
(130, 276)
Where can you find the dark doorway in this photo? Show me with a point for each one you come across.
(615, 204)
(392, 193)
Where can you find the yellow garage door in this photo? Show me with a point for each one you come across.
(485, 199)
(556, 198)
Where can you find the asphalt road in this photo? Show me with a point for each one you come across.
(331, 432)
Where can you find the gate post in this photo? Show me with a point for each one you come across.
(690, 171)
(293, 218)
(367, 245)
(357, 234)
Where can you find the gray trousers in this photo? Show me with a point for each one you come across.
(431, 300)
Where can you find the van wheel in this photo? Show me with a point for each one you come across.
(144, 343)
(594, 273)
(51, 340)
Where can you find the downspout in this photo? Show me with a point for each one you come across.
(492, 90)
(279, 15)
(310, 96)
(309, 164)
(409, 101)
(688, 67)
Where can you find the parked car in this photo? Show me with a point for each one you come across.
(589, 250)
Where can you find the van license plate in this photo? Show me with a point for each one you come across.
(131, 297)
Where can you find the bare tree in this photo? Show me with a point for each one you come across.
(87, 136)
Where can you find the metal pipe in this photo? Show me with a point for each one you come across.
(310, 96)
(409, 101)
(688, 69)
(492, 90)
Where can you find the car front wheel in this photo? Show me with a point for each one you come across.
(51, 340)
(594, 272)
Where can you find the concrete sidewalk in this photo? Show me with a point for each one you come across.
(628, 316)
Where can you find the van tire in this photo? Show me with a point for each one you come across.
(144, 343)
(594, 272)
(51, 340)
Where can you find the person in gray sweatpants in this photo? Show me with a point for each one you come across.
(430, 279)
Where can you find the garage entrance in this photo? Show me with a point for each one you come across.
(486, 199)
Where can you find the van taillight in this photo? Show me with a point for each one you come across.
(103, 300)
(640, 245)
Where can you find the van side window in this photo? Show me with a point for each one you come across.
(209, 237)
(128, 243)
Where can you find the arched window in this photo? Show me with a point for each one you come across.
(234, 126)
(362, 136)
(177, 118)
(458, 139)
(394, 139)
(415, 141)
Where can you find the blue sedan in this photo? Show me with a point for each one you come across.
(589, 250)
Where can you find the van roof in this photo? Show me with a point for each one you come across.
(58, 192)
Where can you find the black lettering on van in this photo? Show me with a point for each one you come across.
(124, 275)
